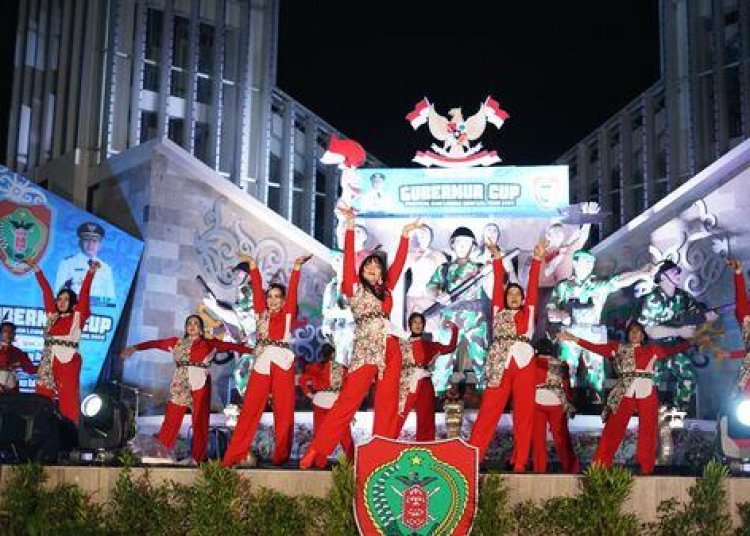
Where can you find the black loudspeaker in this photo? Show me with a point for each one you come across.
(32, 429)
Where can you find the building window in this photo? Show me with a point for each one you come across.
(154, 26)
(206, 49)
(151, 77)
(661, 189)
(322, 219)
(152, 52)
(639, 200)
(201, 142)
(149, 122)
(703, 34)
(320, 181)
(615, 179)
(232, 54)
(734, 102)
(274, 197)
(661, 157)
(616, 207)
(176, 130)
(299, 210)
(274, 169)
(706, 125)
(732, 46)
(228, 128)
(178, 86)
(181, 42)
(204, 90)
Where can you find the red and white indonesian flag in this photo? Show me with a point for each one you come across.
(495, 114)
(346, 154)
(420, 114)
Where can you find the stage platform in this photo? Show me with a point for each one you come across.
(694, 442)
(647, 493)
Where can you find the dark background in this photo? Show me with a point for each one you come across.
(559, 68)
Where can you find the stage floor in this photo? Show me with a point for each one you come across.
(647, 493)
(585, 431)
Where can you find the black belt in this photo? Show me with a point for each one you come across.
(269, 342)
(550, 386)
(199, 365)
(369, 316)
(335, 391)
(519, 338)
(409, 367)
(61, 342)
(639, 374)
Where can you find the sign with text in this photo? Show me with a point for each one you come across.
(529, 191)
(62, 239)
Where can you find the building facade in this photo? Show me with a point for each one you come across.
(696, 112)
(95, 78)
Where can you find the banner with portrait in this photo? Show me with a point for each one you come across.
(63, 240)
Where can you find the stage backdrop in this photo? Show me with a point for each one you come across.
(38, 224)
(513, 206)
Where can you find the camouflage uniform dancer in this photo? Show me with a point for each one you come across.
(577, 304)
(668, 312)
(465, 307)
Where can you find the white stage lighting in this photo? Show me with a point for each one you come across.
(92, 405)
(743, 412)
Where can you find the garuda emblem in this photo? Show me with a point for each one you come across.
(24, 222)
(457, 134)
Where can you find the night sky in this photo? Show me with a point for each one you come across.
(559, 68)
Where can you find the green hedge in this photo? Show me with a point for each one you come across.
(222, 503)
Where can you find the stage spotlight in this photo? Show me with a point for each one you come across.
(91, 405)
(742, 412)
(106, 423)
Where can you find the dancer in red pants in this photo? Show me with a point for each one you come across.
(553, 406)
(509, 361)
(742, 313)
(12, 358)
(375, 355)
(416, 380)
(191, 384)
(634, 391)
(326, 378)
(59, 372)
(273, 368)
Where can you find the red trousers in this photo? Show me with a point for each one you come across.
(67, 382)
(200, 413)
(353, 392)
(614, 431)
(279, 383)
(423, 400)
(521, 383)
(347, 443)
(558, 423)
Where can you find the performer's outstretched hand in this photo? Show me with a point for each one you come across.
(249, 260)
(447, 324)
(494, 249)
(540, 249)
(735, 265)
(31, 262)
(348, 215)
(299, 261)
(409, 227)
(127, 352)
